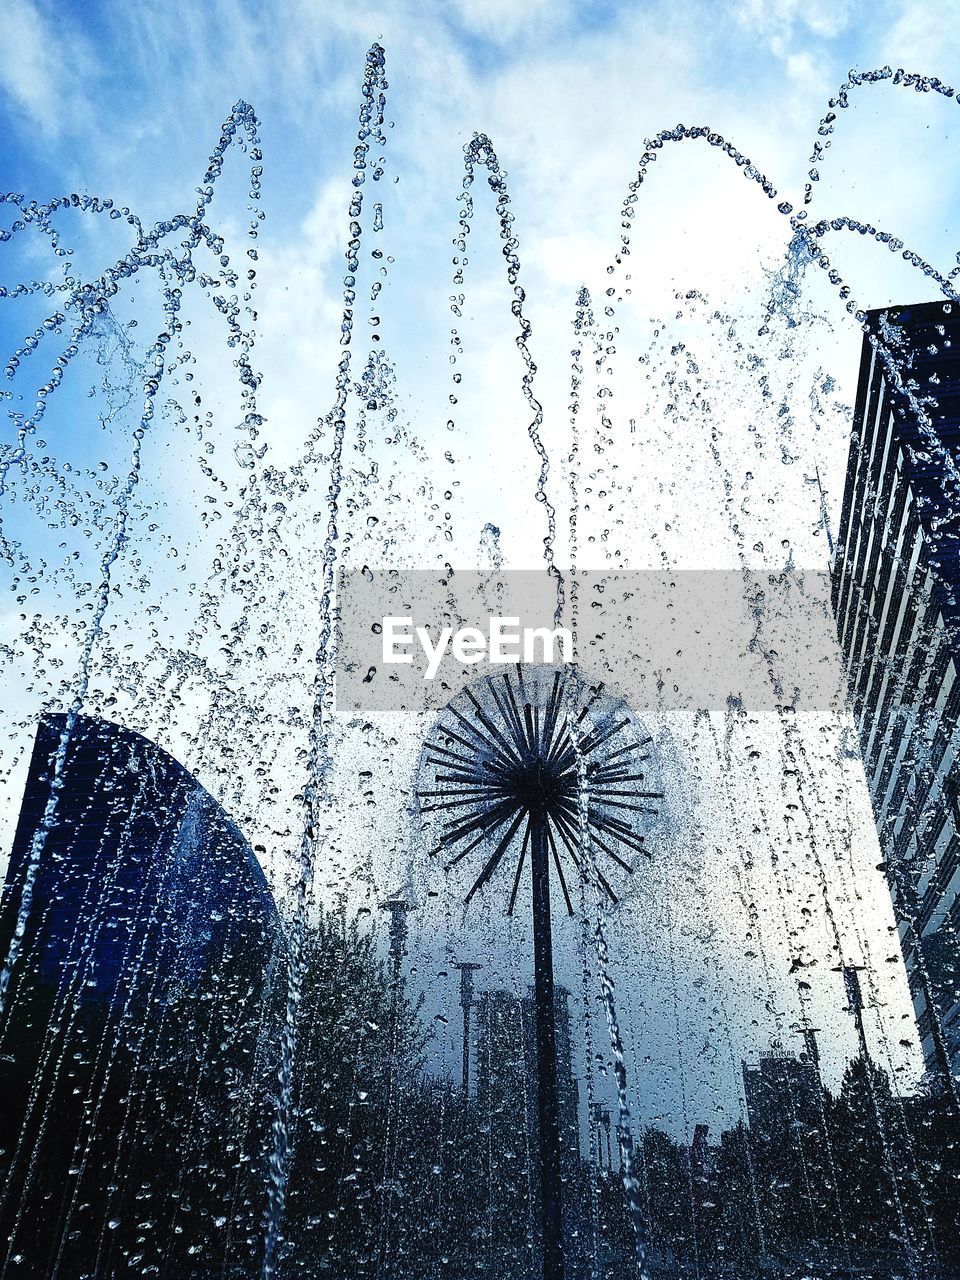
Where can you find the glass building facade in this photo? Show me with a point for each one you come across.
(137, 1041)
(896, 572)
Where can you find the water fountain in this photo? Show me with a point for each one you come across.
(542, 758)
(510, 777)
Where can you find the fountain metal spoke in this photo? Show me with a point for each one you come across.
(612, 853)
(517, 747)
(603, 777)
(516, 718)
(595, 693)
(620, 831)
(490, 726)
(520, 863)
(622, 751)
(479, 827)
(496, 857)
(508, 712)
(632, 806)
(594, 740)
(559, 869)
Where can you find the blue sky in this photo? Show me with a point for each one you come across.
(126, 98)
(126, 101)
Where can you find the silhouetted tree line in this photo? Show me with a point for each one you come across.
(398, 1176)
(830, 1192)
(135, 1141)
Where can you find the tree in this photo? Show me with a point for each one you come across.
(360, 1055)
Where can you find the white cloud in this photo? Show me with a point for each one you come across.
(501, 20)
(784, 18)
(808, 74)
(924, 39)
(28, 64)
(299, 319)
(42, 66)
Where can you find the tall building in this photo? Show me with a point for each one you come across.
(506, 1101)
(896, 572)
(136, 1043)
(507, 1064)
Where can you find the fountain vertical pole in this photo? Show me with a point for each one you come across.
(505, 769)
(551, 1208)
(467, 970)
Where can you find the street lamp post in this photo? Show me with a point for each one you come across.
(467, 970)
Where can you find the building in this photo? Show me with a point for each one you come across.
(785, 1110)
(136, 1044)
(506, 1102)
(895, 580)
(507, 1065)
(782, 1093)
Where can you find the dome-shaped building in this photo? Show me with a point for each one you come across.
(138, 1028)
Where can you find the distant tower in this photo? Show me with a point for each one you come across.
(601, 1120)
(808, 1033)
(811, 1052)
(399, 908)
(467, 970)
(811, 1048)
(399, 930)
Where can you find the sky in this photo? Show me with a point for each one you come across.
(126, 101)
(713, 441)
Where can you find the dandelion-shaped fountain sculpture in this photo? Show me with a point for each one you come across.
(536, 764)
